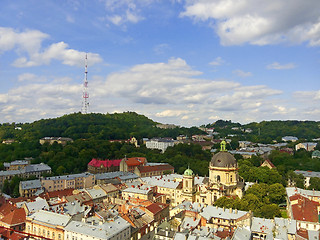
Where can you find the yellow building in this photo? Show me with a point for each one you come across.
(47, 224)
(223, 180)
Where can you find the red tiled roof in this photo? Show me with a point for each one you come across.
(17, 216)
(270, 163)
(6, 208)
(305, 209)
(136, 161)
(155, 208)
(105, 163)
(7, 233)
(57, 193)
(162, 167)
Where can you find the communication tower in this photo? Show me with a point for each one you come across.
(85, 94)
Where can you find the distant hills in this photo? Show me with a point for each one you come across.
(128, 124)
(94, 125)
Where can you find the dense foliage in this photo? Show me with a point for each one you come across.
(91, 134)
(262, 199)
(94, 125)
(267, 131)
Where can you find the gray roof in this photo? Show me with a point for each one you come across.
(31, 184)
(137, 190)
(37, 168)
(37, 205)
(293, 190)
(161, 181)
(186, 205)
(96, 193)
(262, 225)
(162, 140)
(28, 169)
(223, 159)
(190, 222)
(212, 211)
(242, 233)
(72, 208)
(285, 226)
(69, 177)
(289, 138)
(19, 162)
(104, 231)
(308, 173)
(111, 175)
(50, 218)
(10, 172)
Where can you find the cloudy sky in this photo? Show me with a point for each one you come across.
(186, 62)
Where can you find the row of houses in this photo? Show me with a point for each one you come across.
(137, 165)
(23, 169)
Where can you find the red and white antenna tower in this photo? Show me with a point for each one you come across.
(85, 94)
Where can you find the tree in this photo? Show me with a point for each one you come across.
(314, 183)
(268, 211)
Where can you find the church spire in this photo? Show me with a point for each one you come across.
(223, 146)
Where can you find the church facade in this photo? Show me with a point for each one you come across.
(223, 180)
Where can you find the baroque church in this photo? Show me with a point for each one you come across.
(223, 180)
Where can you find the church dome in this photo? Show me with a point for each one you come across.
(223, 159)
(188, 172)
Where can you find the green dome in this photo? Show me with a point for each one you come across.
(188, 172)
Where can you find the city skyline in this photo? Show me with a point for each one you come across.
(186, 62)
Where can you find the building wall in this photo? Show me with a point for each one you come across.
(57, 183)
(52, 232)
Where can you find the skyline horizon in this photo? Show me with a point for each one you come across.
(185, 62)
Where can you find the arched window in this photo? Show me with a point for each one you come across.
(230, 178)
(218, 178)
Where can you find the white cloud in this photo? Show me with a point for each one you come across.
(217, 62)
(259, 22)
(29, 43)
(309, 96)
(171, 113)
(116, 19)
(279, 66)
(241, 73)
(120, 12)
(169, 91)
(161, 48)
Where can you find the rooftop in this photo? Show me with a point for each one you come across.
(103, 231)
(30, 184)
(212, 211)
(154, 168)
(51, 218)
(105, 163)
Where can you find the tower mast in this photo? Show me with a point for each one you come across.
(85, 94)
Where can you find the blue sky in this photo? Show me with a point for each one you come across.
(187, 62)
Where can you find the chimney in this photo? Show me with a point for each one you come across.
(230, 210)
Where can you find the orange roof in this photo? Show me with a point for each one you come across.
(161, 167)
(6, 208)
(155, 208)
(136, 161)
(269, 162)
(15, 217)
(305, 209)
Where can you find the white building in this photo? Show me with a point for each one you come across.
(115, 229)
(160, 143)
(308, 146)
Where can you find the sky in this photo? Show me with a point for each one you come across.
(183, 62)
